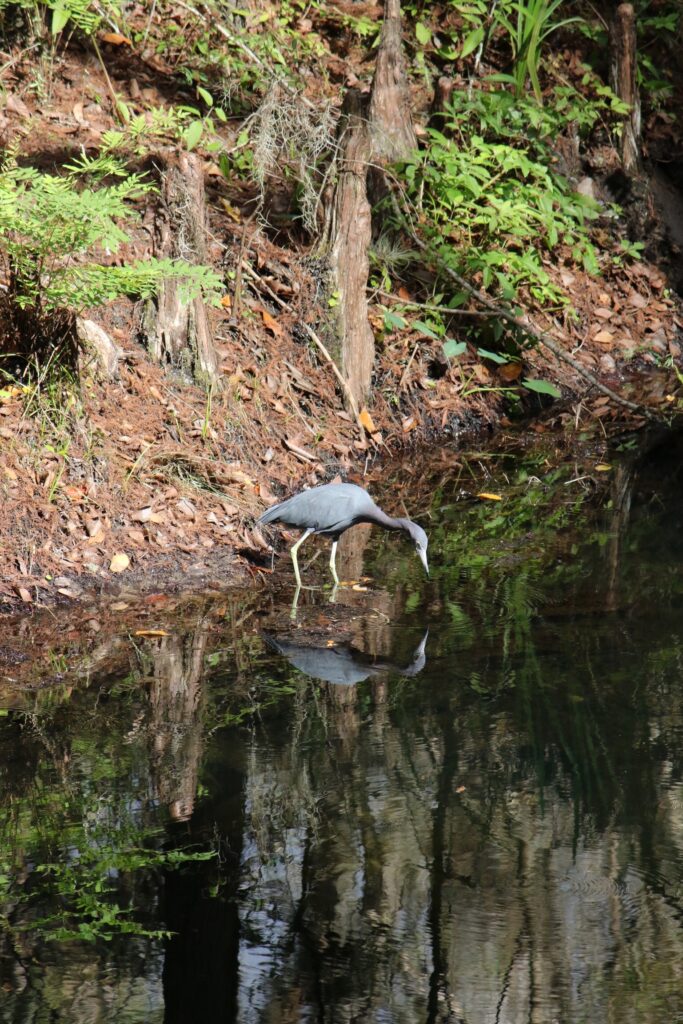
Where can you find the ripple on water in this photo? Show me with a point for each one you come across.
(595, 887)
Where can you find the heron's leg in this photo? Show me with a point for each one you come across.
(293, 552)
(295, 602)
(333, 566)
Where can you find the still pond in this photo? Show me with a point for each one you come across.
(447, 799)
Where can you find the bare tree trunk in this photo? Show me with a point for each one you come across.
(178, 332)
(349, 261)
(393, 135)
(623, 74)
(371, 134)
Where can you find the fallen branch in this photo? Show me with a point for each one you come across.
(539, 336)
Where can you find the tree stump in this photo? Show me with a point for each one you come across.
(624, 82)
(350, 241)
(178, 331)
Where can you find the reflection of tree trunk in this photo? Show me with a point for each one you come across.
(438, 1003)
(201, 962)
(622, 485)
(177, 727)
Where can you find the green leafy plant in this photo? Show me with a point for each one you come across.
(528, 24)
(490, 209)
(57, 236)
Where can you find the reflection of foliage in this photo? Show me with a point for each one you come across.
(85, 890)
(77, 844)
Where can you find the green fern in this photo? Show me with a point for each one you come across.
(58, 233)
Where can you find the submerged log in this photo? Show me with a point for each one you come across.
(178, 331)
(624, 81)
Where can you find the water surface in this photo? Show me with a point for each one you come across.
(458, 799)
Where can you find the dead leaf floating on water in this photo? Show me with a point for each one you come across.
(119, 563)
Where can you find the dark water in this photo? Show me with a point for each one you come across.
(482, 824)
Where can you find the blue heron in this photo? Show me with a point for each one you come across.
(343, 664)
(330, 510)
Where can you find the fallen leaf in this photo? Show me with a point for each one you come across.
(116, 39)
(232, 211)
(119, 606)
(510, 371)
(15, 105)
(490, 497)
(143, 516)
(604, 337)
(93, 527)
(25, 595)
(119, 563)
(187, 508)
(637, 301)
(8, 393)
(366, 420)
(271, 324)
(603, 312)
(226, 302)
(602, 467)
(460, 789)
(151, 632)
(78, 113)
(409, 423)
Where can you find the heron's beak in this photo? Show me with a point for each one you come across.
(423, 559)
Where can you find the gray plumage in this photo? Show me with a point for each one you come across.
(330, 510)
(343, 664)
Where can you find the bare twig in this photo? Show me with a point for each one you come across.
(430, 307)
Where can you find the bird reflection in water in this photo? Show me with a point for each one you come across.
(342, 664)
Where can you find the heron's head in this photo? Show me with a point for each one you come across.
(420, 540)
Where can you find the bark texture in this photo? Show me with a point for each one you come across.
(623, 74)
(393, 135)
(178, 332)
(349, 261)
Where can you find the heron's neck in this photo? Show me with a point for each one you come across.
(382, 519)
